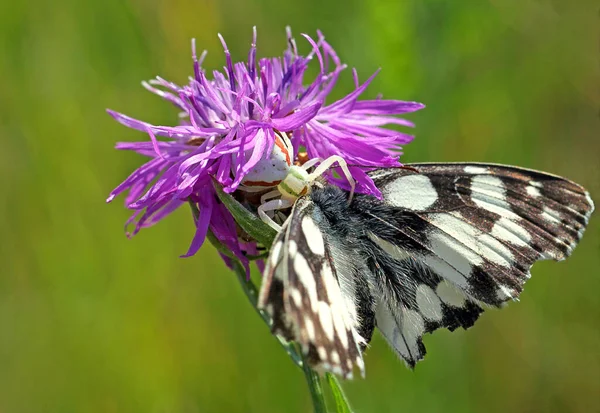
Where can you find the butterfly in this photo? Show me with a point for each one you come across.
(445, 241)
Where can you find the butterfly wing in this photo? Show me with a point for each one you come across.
(302, 294)
(450, 238)
(445, 241)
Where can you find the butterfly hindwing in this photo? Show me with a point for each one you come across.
(413, 300)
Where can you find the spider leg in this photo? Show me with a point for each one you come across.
(273, 205)
(309, 164)
(326, 164)
(269, 195)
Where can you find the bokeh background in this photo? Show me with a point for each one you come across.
(93, 322)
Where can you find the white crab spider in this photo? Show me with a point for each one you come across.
(297, 183)
(291, 181)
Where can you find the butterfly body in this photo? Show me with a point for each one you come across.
(444, 242)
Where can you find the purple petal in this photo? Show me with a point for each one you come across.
(374, 120)
(385, 107)
(223, 175)
(252, 55)
(151, 168)
(229, 63)
(214, 99)
(146, 215)
(297, 119)
(165, 95)
(166, 181)
(364, 184)
(147, 148)
(166, 131)
(358, 129)
(315, 50)
(201, 227)
(154, 143)
(262, 139)
(344, 105)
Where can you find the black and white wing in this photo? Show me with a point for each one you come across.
(445, 241)
(451, 238)
(302, 294)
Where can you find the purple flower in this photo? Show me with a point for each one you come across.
(230, 123)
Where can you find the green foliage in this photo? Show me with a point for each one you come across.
(248, 221)
(93, 322)
(341, 401)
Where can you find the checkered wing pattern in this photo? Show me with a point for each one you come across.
(445, 241)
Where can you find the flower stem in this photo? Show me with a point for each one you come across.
(252, 294)
(316, 391)
(341, 401)
(312, 378)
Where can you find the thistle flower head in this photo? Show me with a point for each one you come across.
(230, 122)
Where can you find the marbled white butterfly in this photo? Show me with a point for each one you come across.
(446, 241)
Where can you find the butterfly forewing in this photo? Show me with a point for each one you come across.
(445, 240)
(312, 298)
(456, 236)
(272, 289)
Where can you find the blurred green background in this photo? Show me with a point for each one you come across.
(93, 322)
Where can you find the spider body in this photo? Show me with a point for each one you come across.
(289, 181)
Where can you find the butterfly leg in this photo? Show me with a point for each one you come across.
(273, 205)
(326, 164)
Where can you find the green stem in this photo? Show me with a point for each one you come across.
(249, 288)
(252, 294)
(256, 229)
(341, 401)
(316, 390)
